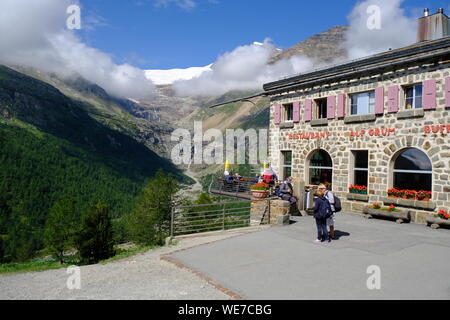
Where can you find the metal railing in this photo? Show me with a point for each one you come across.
(210, 217)
(237, 188)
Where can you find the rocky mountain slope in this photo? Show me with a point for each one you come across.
(322, 48)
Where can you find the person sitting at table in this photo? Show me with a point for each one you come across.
(287, 191)
(228, 182)
(269, 176)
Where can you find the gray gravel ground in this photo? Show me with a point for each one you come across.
(144, 276)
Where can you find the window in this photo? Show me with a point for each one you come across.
(413, 97)
(360, 167)
(320, 108)
(412, 171)
(320, 168)
(363, 103)
(288, 112)
(286, 164)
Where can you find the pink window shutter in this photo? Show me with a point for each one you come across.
(308, 110)
(277, 114)
(296, 114)
(393, 98)
(379, 100)
(429, 94)
(447, 92)
(331, 107)
(341, 105)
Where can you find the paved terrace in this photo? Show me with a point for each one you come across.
(284, 263)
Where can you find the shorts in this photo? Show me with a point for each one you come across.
(330, 221)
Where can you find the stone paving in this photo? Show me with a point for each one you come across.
(283, 262)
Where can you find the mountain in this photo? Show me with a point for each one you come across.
(322, 48)
(180, 112)
(124, 115)
(51, 147)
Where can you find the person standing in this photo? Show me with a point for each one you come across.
(330, 221)
(321, 210)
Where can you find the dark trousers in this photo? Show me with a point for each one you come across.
(322, 232)
(288, 197)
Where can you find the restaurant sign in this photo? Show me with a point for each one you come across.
(375, 132)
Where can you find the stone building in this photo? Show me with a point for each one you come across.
(381, 122)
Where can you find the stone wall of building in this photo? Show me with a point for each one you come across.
(409, 132)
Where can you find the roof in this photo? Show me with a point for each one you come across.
(379, 60)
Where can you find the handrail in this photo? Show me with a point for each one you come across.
(213, 217)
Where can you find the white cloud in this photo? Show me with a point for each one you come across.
(245, 68)
(33, 33)
(397, 29)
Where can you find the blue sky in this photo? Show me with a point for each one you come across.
(164, 34)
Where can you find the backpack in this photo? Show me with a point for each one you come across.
(337, 204)
(324, 211)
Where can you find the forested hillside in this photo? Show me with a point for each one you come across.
(51, 148)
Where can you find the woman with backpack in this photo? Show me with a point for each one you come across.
(322, 211)
(331, 199)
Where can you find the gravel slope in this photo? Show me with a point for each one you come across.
(143, 277)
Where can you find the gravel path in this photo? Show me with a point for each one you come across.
(144, 276)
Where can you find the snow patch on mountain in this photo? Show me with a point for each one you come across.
(165, 77)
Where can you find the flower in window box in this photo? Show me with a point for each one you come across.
(376, 205)
(442, 214)
(357, 189)
(260, 187)
(391, 208)
(424, 195)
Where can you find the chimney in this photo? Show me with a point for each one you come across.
(432, 27)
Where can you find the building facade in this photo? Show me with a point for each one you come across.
(382, 122)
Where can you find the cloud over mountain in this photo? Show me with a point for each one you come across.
(245, 68)
(34, 34)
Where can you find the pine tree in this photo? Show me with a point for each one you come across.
(2, 250)
(60, 228)
(149, 222)
(95, 239)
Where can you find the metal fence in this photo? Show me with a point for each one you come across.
(237, 188)
(210, 217)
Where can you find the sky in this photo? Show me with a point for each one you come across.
(166, 34)
(120, 39)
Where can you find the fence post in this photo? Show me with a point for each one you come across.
(172, 222)
(223, 218)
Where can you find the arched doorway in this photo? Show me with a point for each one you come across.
(320, 168)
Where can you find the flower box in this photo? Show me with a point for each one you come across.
(260, 194)
(400, 216)
(358, 197)
(410, 194)
(436, 223)
(436, 220)
(426, 205)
